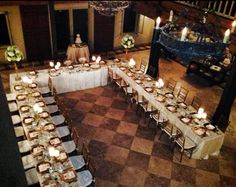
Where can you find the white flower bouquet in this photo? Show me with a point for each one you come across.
(13, 54)
(127, 41)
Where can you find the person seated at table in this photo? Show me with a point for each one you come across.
(227, 58)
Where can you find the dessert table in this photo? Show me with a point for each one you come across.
(68, 79)
(205, 146)
(75, 52)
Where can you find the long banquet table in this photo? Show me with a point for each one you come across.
(69, 80)
(206, 146)
(43, 137)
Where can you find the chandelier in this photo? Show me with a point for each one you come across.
(108, 8)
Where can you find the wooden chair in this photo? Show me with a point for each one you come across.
(168, 129)
(157, 117)
(128, 90)
(182, 94)
(171, 84)
(143, 65)
(196, 102)
(185, 144)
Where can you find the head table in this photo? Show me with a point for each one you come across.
(82, 77)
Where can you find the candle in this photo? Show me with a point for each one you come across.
(233, 26)
(158, 21)
(171, 16)
(161, 82)
(93, 58)
(184, 34)
(98, 59)
(58, 64)
(226, 37)
(204, 115)
(27, 80)
(132, 62)
(37, 108)
(51, 64)
(200, 112)
(53, 152)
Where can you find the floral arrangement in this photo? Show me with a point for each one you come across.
(127, 41)
(13, 54)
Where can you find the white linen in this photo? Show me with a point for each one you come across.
(74, 53)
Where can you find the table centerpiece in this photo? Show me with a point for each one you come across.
(127, 42)
(13, 54)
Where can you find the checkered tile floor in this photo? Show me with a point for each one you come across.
(127, 153)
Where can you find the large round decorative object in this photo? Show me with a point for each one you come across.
(197, 45)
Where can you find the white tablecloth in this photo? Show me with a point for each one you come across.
(74, 53)
(68, 82)
(205, 145)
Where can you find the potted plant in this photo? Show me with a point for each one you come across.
(127, 42)
(14, 55)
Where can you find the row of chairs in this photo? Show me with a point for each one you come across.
(68, 134)
(153, 114)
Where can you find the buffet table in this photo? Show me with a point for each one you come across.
(206, 145)
(69, 79)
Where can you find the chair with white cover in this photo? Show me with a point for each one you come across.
(46, 90)
(28, 161)
(11, 97)
(185, 143)
(58, 119)
(19, 131)
(12, 106)
(63, 131)
(49, 100)
(24, 146)
(16, 119)
(52, 109)
(86, 177)
(69, 146)
(117, 79)
(31, 176)
(79, 161)
(128, 90)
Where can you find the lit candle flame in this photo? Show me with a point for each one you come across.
(158, 21)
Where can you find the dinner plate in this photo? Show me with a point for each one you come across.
(138, 81)
(102, 62)
(210, 127)
(130, 74)
(95, 66)
(21, 97)
(55, 141)
(182, 105)
(86, 65)
(32, 73)
(69, 175)
(40, 103)
(37, 150)
(62, 157)
(43, 167)
(44, 114)
(160, 98)
(33, 135)
(49, 127)
(185, 120)
(50, 183)
(33, 85)
(18, 87)
(199, 131)
(169, 95)
(171, 108)
(148, 89)
(122, 68)
(28, 120)
(36, 94)
(117, 60)
(24, 108)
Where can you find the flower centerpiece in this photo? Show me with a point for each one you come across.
(127, 42)
(13, 54)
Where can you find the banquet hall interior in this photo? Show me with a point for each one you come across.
(118, 93)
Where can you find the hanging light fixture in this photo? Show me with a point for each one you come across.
(108, 8)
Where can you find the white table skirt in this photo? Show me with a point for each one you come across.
(205, 146)
(74, 53)
(68, 82)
